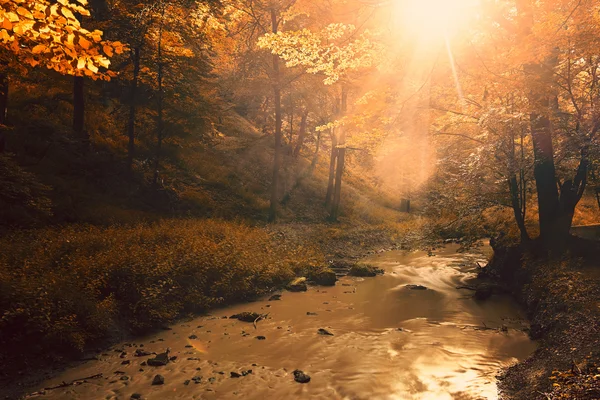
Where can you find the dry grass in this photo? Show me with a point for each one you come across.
(65, 288)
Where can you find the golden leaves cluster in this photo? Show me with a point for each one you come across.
(333, 51)
(44, 33)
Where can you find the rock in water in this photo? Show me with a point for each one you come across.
(324, 277)
(136, 396)
(301, 377)
(416, 287)
(158, 380)
(160, 359)
(142, 353)
(246, 316)
(275, 297)
(364, 270)
(261, 337)
(234, 374)
(325, 332)
(297, 285)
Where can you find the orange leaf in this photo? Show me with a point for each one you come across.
(39, 49)
(107, 50)
(24, 12)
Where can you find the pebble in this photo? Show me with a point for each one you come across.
(158, 380)
(301, 377)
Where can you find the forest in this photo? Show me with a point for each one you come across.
(344, 199)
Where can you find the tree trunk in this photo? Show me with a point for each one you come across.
(315, 159)
(277, 99)
(571, 192)
(332, 162)
(3, 107)
(301, 135)
(79, 108)
(341, 159)
(518, 207)
(544, 173)
(132, 107)
(159, 130)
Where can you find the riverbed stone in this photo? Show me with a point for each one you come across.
(160, 360)
(246, 316)
(158, 380)
(142, 353)
(275, 297)
(364, 270)
(325, 332)
(324, 277)
(301, 377)
(416, 287)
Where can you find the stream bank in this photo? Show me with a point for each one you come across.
(562, 299)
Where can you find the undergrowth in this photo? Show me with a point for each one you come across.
(62, 289)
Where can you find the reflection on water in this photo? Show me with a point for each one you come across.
(390, 342)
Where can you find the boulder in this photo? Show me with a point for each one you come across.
(364, 270)
(324, 277)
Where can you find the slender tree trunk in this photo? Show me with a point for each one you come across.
(3, 108)
(79, 108)
(571, 192)
(132, 107)
(159, 130)
(518, 207)
(315, 158)
(79, 105)
(291, 139)
(301, 134)
(341, 159)
(277, 99)
(332, 162)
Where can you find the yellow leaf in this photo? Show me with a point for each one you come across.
(103, 62)
(39, 49)
(81, 63)
(67, 13)
(83, 2)
(12, 17)
(92, 67)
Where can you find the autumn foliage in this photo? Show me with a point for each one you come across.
(49, 34)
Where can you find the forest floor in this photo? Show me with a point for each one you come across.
(562, 299)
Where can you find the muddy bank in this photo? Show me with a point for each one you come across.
(408, 333)
(562, 299)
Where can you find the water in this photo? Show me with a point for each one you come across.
(447, 346)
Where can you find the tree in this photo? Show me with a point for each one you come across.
(48, 34)
(335, 53)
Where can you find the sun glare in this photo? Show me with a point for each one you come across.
(435, 19)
